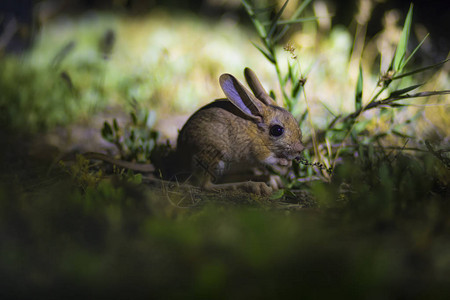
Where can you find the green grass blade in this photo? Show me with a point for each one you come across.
(400, 53)
(275, 21)
(297, 88)
(299, 20)
(415, 50)
(280, 34)
(398, 105)
(265, 53)
(400, 134)
(303, 117)
(405, 90)
(402, 97)
(258, 25)
(421, 69)
(290, 70)
(300, 9)
(327, 108)
(359, 90)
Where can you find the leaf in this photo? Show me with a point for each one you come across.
(133, 118)
(378, 136)
(297, 88)
(272, 95)
(421, 69)
(300, 9)
(285, 78)
(293, 20)
(401, 97)
(115, 125)
(302, 118)
(299, 20)
(290, 73)
(267, 55)
(277, 195)
(359, 90)
(400, 53)
(258, 26)
(402, 135)
(415, 50)
(398, 105)
(280, 34)
(107, 131)
(275, 20)
(405, 90)
(333, 122)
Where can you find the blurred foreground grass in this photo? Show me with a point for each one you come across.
(379, 229)
(381, 234)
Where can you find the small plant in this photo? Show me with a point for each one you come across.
(81, 173)
(137, 139)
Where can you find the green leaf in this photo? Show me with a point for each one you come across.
(415, 50)
(272, 95)
(299, 20)
(416, 95)
(394, 105)
(258, 26)
(274, 23)
(300, 9)
(294, 19)
(290, 70)
(285, 79)
(359, 90)
(277, 195)
(420, 70)
(297, 88)
(400, 53)
(133, 118)
(402, 135)
(107, 131)
(115, 125)
(303, 117)
(333, 122)
(280, 34)
(265, 53)
(405, 90)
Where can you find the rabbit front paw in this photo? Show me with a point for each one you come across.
(275, 182)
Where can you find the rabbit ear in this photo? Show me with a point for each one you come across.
(241, 97)
(257, 87)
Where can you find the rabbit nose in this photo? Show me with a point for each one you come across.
(298, 147)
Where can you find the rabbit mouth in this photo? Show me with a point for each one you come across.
(290, 156)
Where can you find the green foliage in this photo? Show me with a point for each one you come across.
(341, 127)
(29, 93)
(399, 61)
(81, 173)
(266, 31)
(359, 90)
(136, 140)
(382, 226)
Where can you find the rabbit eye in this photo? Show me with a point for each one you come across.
(276, 130)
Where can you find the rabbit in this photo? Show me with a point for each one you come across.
(224, 144)
(236, 135)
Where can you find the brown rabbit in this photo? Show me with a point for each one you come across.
(224, 143)
(237, 135)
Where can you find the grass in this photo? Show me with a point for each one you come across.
(376, 227)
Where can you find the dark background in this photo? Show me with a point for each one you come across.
(435, 15)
